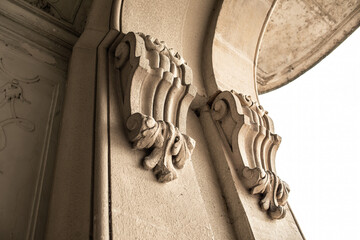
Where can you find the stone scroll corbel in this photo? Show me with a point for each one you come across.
(156, 89)
(248, 131)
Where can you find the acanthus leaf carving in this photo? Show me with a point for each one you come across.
(274, 191)
(249, 132)
(168, 146)
(157, 90)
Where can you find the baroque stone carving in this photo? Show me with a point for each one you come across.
(249, 133)
(169, 147)
(12, 91)
(156, 89)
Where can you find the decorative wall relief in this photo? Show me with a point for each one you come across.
(11, 92)
(249, 133)
(156, 87)
(169, 147)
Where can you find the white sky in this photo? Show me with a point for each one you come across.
(318, 118)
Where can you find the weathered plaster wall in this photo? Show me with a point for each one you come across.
(35, 45)
(32, 82)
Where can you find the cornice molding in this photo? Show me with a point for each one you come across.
(41, 23)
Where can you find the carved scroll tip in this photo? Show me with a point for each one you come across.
(278, 213)
(190, 143)
(164, 176)
(252, 177)
(122, 53)
(219, 110)
(134, 121)
(149, 163)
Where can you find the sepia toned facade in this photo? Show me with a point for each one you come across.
(134, 119)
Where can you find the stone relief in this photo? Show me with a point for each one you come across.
(249, 132)
(156, 89)
(274, 191)
(169, 147)
(11, 92)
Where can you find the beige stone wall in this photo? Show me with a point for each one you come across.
(141, 207)
(207, 200)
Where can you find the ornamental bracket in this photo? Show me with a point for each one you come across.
(156, 90)
(248, 132)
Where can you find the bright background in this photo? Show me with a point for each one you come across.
(318, 118)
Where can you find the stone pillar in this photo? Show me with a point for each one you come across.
(170, 141)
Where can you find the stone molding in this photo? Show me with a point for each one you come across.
(156, 87)
(248, 131)
(38, 26)
(64, 13)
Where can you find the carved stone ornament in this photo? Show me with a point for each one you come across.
(156, 89)
(249, 132)
(169, 147)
